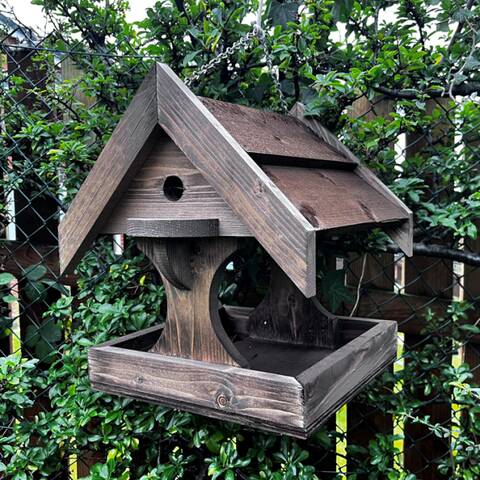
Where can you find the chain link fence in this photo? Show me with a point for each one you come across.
(52, 126)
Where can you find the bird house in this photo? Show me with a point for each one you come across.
(188, 177)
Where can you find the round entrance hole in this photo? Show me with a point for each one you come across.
(173, 188)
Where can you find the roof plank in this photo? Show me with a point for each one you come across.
(119, 161)
(334, 199)
(401, 234)
(269, 133)
(271, 217)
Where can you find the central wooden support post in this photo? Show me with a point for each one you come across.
(286, 315)
(191, 270)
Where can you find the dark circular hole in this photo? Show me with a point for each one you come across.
(173, 188)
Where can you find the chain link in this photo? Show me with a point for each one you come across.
(212, 64)
(240, 44)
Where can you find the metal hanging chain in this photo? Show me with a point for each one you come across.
(243, 43)
(212, 64)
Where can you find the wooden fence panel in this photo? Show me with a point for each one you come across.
(432, 278)
(365, 421)
(471, 285)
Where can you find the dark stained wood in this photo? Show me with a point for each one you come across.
(171, 258)
(193, 328)
(365, 420)
(16, 257)
(406, 309)
(260, 399)
(265, 210)
(471, 285)
(144, 197)
(379, 271)
(145, 227)
(285, 315)
(331, 383)
(433, 278)
(272, 134)
(334, 199)
(402, 234)
(116, 166)
(257, 397)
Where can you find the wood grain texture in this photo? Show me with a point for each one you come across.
(402, 234)
(269, 215)
(273, 402)
(334, 199)
(119, 161)
(16, 257)
(146, 227)
(277, 402)
(430, 277)
(285, 315)
(171, 258)
(471, 285)
(193, 328)
(272, 134)
(365, 420)
(144, 197)
(332, 382)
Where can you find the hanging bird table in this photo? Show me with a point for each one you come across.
(188, 177)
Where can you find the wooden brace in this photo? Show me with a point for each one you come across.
(191, 270)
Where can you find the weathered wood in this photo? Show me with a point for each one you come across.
(379, 270)
(145, 227)
(434, 278)
(119, 161)
(16, 257)
(193, 328)
(364, 420)
(401, 234)
(273, 134)
(471, 286)
(144, 197)
(287, 235)
(285, 315)
(260, 397)
(335, 199)
(330, 384)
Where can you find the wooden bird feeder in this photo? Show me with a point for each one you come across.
(188, 177)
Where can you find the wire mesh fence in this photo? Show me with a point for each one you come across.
(417, 419)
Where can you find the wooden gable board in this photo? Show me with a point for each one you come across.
(282, 230)
(163, 99)
(144, 198)
(117, 164)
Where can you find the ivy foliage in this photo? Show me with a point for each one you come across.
(328, 54)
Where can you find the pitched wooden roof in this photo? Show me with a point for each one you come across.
(217, 138)
(269, 133)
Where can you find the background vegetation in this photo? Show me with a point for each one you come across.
(422, 56)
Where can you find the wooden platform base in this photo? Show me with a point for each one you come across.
(288, 389)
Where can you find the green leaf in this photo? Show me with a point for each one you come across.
(342, 9)
(283, 12)
(6, 278)
(9, 299)
(35, 272)
(230, 475)
(334, 290)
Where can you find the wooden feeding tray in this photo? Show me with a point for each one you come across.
(288, 389)
(188, 177)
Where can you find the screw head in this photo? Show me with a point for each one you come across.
(222, 400)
